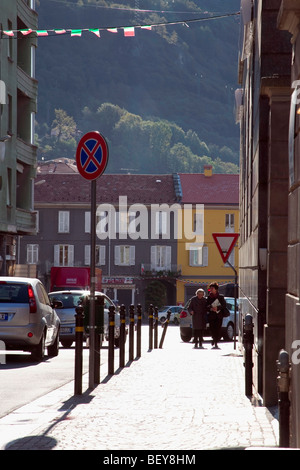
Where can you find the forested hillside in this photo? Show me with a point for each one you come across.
(164, 99)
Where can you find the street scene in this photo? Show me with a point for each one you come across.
(149, 227)
(171, 399)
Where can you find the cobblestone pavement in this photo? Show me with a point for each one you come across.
(174, 398)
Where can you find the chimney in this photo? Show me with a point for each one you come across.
(208, 170)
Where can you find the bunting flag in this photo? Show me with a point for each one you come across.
(129, 31)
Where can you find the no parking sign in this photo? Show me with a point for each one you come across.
(92, 155)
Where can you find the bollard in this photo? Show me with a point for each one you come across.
(122, 335)
(78, 349)
(166, 323)
(111, 340)
(283, 383)
(155, 327)
(150, 327)
(99, 319)
(248, 341)
(138, 331)
(3, 354)
(131, 332)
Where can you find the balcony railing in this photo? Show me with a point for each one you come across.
(172, 271)
(26, 221)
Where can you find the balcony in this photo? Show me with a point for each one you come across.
(172, 271)
(25, 222)
(27, 85)
(26, 153)
(26, 14)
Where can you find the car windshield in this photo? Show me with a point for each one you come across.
(14, 293)
(68, 300)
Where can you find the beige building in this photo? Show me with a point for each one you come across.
(18, 101)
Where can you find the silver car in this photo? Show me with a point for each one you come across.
(28, 321)
(70, 300)
(227, 329)
(163, 312)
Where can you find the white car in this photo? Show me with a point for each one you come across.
(70, 299)
(163, 311)
(28, 320)
(227, 330)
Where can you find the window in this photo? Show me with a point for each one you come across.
(63, 255)
(229, 223)
(63, 222)
(32, 254)
(99, 255)
(160, 257)
(198, 255)
(230, 259)
(161, 223)
(124, 255)
(199, 223)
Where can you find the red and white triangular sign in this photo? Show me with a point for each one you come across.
(225, 243)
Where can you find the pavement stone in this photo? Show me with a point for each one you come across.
(174, 398)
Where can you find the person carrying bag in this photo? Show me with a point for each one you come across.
(217, 310)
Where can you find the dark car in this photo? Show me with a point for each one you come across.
(70, 300)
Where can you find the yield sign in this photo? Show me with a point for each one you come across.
(92, 155)
(225, 243)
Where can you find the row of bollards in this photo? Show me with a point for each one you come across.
(283, 380)
(120, 341)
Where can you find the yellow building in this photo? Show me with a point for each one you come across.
(210, 202)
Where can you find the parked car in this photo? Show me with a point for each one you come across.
(28, 320)
(227, 330)
(175, 311)
(70, 300)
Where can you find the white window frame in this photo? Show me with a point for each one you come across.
(229, 223)
(99, 255)
(32, 253)
(198, 254)
(231, 259)
(160, 257)
(124, 255)
(64, 255)
(63, 221)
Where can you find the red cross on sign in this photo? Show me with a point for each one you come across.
(92, 155)
(225, 243)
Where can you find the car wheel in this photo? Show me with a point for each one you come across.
(66, 343)
(176, 322)
(53, 350)
(162, 319)
(185, 338)
(38, 352)
(228, 332)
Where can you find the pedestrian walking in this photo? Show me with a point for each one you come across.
(198, 310)
(216, 305)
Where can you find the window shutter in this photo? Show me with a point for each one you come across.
(153, 257)
(102, 254)
(117, 255)
(132, 255)
(56, 255)
(205, 256)
(87, 254)
(87, 222)
(70, 255)
(168, 257)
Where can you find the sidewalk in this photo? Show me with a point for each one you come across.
(175, 398)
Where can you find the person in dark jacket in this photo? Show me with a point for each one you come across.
(216, 304)
(198, 310)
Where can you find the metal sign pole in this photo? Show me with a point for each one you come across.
(92, 287)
